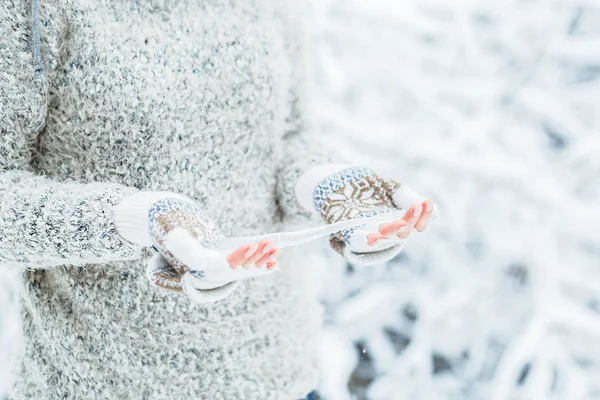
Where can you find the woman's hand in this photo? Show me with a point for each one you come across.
(417, 218)
(359, 192)
(261, 254)
(209, 276)
(182, 235)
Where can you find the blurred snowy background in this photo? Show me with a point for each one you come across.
(492, 108)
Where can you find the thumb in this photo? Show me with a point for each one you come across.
(161, 274)
(189, 251)
(404, 196)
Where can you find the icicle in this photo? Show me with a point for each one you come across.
(294, 238)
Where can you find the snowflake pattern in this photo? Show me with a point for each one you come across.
(352, 193)
(335, 182)
(352, 200)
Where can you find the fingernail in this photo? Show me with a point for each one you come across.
(402, 228)
(429, 205)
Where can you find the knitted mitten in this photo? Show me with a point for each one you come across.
(354, 192)
(183, 236)
(172, 216)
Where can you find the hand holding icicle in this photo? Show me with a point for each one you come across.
(344, 193)
(183, 235)
(368, 219)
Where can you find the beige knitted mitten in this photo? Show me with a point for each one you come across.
(184, 238)
(342, 193)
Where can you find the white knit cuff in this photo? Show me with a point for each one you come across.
(404, 197)
(131, 215)
(310, 179)
(358, 250)
(206, 295)
(376, 257)
(358, 240)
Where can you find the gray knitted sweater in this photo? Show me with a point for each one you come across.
(198, 97)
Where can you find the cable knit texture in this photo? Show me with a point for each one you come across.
(192, 97)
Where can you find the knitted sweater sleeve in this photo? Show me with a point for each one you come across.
(44, 222)
(302, 149)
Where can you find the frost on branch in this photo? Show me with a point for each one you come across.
(491, 108)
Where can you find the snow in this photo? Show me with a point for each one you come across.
(489, 108)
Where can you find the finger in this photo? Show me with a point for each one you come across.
(388, 230)
(412, 214)
(404, 196)
(236, 258)
(262, 247)
(364, 242)
(411, 217)
(271, 264)
(261, 262)
(160, 273)
(373, 238)
(423, 220)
